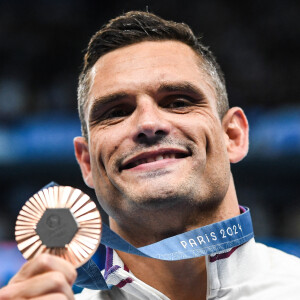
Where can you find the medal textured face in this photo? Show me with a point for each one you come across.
(62, 221)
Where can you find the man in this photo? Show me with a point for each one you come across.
(158, 140)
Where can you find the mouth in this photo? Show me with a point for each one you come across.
(151, 157)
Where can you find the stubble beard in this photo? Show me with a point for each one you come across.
(182, 199)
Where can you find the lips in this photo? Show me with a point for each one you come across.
(149, 157)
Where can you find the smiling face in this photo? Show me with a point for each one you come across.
(156, 141)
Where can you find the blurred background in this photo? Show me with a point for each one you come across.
(41, 50)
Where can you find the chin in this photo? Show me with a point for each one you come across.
(159, 198)
(184, 198)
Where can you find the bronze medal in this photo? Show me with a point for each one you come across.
(62, 221)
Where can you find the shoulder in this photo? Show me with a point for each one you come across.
(278, 259)
(279, 268)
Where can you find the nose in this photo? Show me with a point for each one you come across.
(150, 124)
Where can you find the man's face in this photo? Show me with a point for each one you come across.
(155, 137)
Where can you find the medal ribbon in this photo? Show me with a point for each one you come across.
(206, 240)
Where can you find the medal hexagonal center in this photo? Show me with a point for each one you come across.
(56, 227)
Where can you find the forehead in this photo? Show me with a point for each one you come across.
(144, 66)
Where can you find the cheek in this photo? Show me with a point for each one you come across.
(201, 130)
(209, 136)
(106, 143)
(214, 134)
(217, 156)
(100, 150)
(190, 127)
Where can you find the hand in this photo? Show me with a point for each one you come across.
(42, 278)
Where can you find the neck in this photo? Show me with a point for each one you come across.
(185, 279)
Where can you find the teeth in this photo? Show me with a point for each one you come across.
(156, 158)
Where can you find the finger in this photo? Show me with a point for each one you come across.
(46, 263)
(41, 285)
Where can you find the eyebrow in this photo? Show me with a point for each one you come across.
(181, 87)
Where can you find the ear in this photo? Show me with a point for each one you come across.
(236, 129)
(82, 154)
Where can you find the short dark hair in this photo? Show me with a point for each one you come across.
(137, 26)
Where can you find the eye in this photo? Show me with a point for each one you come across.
(178, 102)
(116, 113)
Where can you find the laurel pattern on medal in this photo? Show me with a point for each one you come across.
(85, 216)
